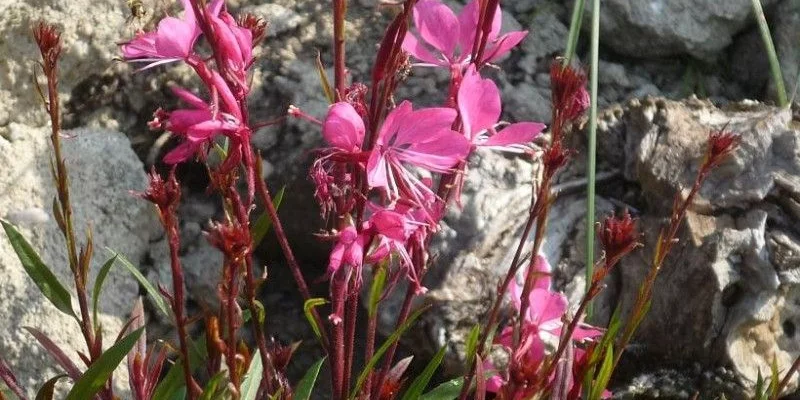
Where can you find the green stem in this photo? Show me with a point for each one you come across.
(774, 65)
(574, 31)
(590, 164)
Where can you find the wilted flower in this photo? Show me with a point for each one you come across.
(721, 143)
(618, 236)
(569, 95)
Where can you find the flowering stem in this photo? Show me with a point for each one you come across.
(338, 296)
(592, 148)
(49, 41)
(351, 315)
(179, 298)
(266, 199)
(369, 351)
(402, 317)
(339, 9)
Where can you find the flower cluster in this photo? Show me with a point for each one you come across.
(221, 112)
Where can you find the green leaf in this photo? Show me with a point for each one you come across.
(98, 284)
(760, 393)
(446, 391)
(604, 375)
(306, 384)
(154, 294)
(173, 386)
(307, 307)
(249, 387)
(472, 344)
(212, 389)
(376, 289)
(100, 371)
(323, 80)
(421, 382)
(48, 389)
(264, 222)
(40, 273)
(394, 337)
(775, 379)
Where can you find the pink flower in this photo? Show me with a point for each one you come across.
(173, 39)
(446, 40)
(395, 228)
(479, 106)
(421, 138)
(343, 128)
(234, 46)
(349, 250)
(197, 126)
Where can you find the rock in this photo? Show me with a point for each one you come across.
(102, 170)
(90, 33)
(736, 259)
(785, 28)
(279, 18)
(658, 28)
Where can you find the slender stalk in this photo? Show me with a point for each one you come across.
(350, 319)
(772, 55)
(574, 31)
(294, 266)
(339, 10)
(405, 311)
(592, 148)
(369, 351)
(179, 300)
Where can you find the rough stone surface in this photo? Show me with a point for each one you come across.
(102, 171)
(733, 273)
(90, 31)
(659, 28)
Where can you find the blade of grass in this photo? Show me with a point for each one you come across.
(592, 147)
(772, 55)
(421, 382)
(306, 384)
(574, 31)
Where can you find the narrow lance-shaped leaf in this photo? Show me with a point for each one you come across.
(249, 386)
(376, 290)
(421, 382)
(10, 380)
(100, 371)
(323, 80)
(446, 391)
(394, 337)
(98, 285)
(306, 384)
(309, 305)
(61, 358)
(40, 273)
(47, 390)
(264, 223)
(154, 294)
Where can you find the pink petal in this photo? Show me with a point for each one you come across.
(390, 224)
(343, 127)
(181, 153)
(189, 98)
(478, 103)
(376, 170)
(519, 133)
(174, 38)
(181, 120)
(414, 47)
(437, 25)
(503, 45)
(439, 152)
(392, 122)
(546, 306)
(468, 23)
(142, 46)
(542, 267)
(416, 127)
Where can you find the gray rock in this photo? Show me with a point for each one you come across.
(90, 32)
(279, 18)
(659, 28)
(103, 169)
(736, 259)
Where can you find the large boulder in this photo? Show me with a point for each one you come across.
(103, 169)
(660, 28)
